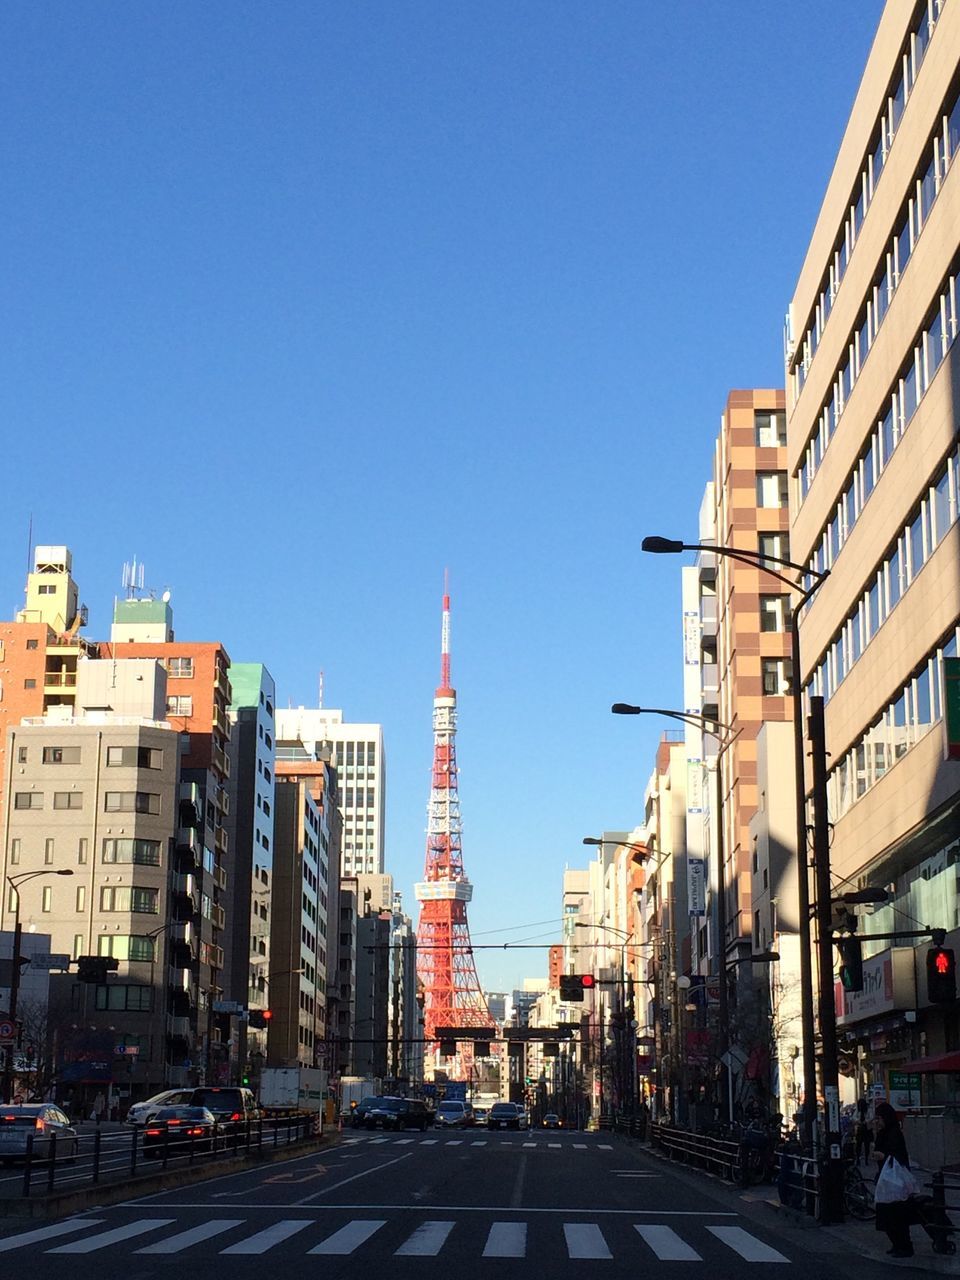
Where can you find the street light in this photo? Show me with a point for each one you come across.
(726, 735)
(640, 851)
(661, 546)
(15, 882)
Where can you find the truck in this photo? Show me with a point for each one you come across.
(285, 1090)
(354, 1088)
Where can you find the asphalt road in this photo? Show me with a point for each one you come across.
(525, 1204)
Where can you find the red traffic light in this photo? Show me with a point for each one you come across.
(587, 980)
(941, 975)
(942, 962)
(267, 1015)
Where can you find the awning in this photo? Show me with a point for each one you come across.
(938, 1062)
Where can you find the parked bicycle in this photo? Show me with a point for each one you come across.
(857, 1193)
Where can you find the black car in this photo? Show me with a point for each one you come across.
(178, 1131)
(504, 1115)
(232, 1108)
(358, 1114)
(398, 1113)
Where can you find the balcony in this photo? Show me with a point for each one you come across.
(59, 680)
(222, 840)
(183, 933)
(184, 885)
(190, 810)
(187, 840)
(215, 957)
(220, 761)
(222, 799)
(178, 1027)
(220, 876)
(710, 681)
(218, 916)
(219, 720)
(708, 615)
(181, 980)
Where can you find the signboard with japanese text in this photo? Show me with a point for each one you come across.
(696, 886)
(694, 786)
(691, 637)
(951, 708)
(888, 984)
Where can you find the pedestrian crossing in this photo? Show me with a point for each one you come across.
(372, 1140)
(233, 1237)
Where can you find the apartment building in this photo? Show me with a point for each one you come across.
(873, 387)
(357, 751)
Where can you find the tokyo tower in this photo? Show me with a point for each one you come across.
(445, 965)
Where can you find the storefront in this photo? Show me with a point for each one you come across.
(877, 1030)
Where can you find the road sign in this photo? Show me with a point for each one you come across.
(8, 1029)
(49, 960)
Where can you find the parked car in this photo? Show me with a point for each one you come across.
(504, 1115)
(39, 1121)
(398, 1113)
(138, 1113)
(357, 1115)
(178, 1131)
(230, 1106)
(551, 1121)
(480, 1115)
(454, 1115)
(524, 1117)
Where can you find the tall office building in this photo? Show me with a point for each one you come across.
(357, 752)
(873, 373)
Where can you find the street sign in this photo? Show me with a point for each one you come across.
(227, 1006)
(49, 960)
(951, 703)
(8, 1029)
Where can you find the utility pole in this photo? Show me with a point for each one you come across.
(831, 1183)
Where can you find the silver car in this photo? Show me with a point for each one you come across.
(39, 1121)
(141, 1111)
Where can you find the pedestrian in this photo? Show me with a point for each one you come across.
(894, 1218)
(864, 1141)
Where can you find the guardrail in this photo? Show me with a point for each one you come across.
(69, 1164)
(934, 1213)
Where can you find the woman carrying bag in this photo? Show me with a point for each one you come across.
(895, 1184)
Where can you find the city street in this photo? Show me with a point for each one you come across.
(538, 1202)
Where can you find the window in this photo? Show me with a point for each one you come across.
(135, 757)
(77, 945)
(68, 799)
(14, 852)
(28, 800)
(774, 613)
(144, 853)
(770, 427)
(180, 668)
(82, 850)
(776, 546)
(776, 674)
(61, 755)
(180, 705)
(131, 802)
(46, 589)
(29, 684)
(129, 947)
(46, 901)
(124, 998)
(771, 488)
(127, 898)
(21, 755)
(32, 644)
(81, 897)
(48, 849)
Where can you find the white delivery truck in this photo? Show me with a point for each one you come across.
(284, 1090)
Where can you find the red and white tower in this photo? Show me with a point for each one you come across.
(445, 965)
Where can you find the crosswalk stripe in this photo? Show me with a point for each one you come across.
(426, 1241)
(667, 1245)
(749, 1247)
(558, 1145)
(184, 1239)
(429, 1142)
(350, 1237)
(403, 1142)
(585, 1240)
(261, 1241)
(375, 1142)
(47, 1233)
(529, 1144)
(479, 1144)
(104, 1238)
(604, 1146)
(454, 1142)
(506, 1240)
(579, 1146)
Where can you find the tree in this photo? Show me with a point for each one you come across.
(34, 1057)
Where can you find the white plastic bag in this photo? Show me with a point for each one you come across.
(895, 1183)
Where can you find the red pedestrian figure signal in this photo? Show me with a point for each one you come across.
(941, 975)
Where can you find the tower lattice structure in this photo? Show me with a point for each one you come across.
(445, 964)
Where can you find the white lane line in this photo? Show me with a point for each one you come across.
(362, 1174)
(483, 1143)
(529, 1144)
(749, 1247)
(426, 1241)
(261, 1241)
(349, 1237)
(184, 1239)
(104, 1238)
(667, 1245)
(585, 1240)
(506, 1240)
(47, 1233)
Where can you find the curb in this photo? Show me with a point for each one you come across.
(65, 1203)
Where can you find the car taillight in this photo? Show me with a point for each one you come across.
(153, 1133)
(194, 1132)
(171, 1123)
(40, 1125)
(235, 1116)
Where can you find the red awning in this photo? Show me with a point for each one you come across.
(938, 1062)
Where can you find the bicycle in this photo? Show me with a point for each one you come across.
(857, 1195)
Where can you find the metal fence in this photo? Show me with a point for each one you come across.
(70, 1164)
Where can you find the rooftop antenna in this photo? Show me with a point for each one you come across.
(133, 578)
(30, 544)
(320, 693)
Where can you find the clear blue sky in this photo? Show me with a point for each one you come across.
(302, 302)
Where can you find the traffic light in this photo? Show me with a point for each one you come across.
(260, 1018)
(95, 968)
(573, 985)
(941, 975)
(851, 963)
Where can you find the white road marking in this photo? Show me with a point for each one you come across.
(426, 1241)
(184, 1239)
(604, 1146)
(403, 1142)
(667, 1245)
(47, 1233)
(479, 1144)
(529, 1144)
(453, 1142)
(362, 1174)
(585, 1240)
(261, 1241)
(429, 1142)
(348, 1238)
(749, 1247)
(104, 1238)
(506, 1240)
(580, 1146)
(556, 1145)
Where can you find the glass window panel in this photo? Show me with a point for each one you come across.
(882, 298)
(873, 606)
(924, 710)
(886, 436)
(909, 394)
(903, 246)
(897, 101)
(928, 189)
(863, 339)
(941, 507)
(856, 636)
(869, 478)
(915, 543)
(894, 583)
(953, 129)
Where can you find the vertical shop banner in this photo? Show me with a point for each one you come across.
(696, 886)
(951, 704)
(691, 638)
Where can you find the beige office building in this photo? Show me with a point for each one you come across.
(873, 380)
